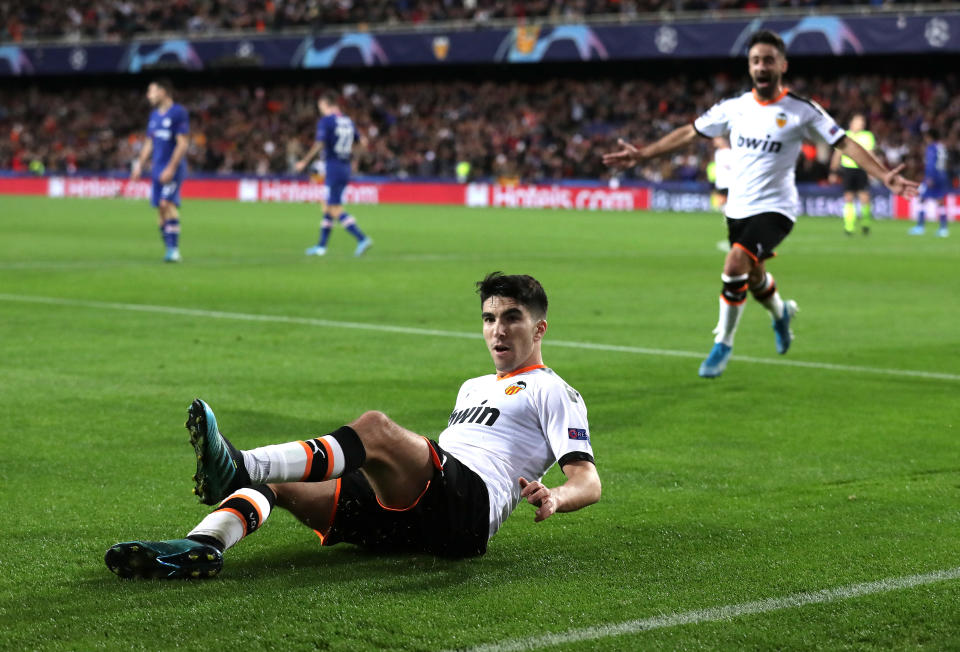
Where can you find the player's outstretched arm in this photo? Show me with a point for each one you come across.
(582, 488)
(891, 178)
(629, 155)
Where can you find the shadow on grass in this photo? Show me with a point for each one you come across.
(289, 568)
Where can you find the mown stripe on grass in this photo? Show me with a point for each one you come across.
(719, 614)
(408, 330)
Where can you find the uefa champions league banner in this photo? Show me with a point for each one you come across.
(804, 36)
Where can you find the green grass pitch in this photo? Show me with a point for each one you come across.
(774, 480)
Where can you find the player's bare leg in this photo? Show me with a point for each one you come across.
(398, 466)
(312, 503)
(399, 462)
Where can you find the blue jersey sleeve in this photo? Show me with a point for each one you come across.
(181, 120)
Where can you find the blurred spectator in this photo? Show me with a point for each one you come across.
(121, 19)
(517, 131)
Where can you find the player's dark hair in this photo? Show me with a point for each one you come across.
(934, 133)
(523, 289)
(330, 97)
(769, 38)
(165, 84)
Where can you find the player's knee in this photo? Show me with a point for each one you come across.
(738, 262)
(734, 288)
(373, 427)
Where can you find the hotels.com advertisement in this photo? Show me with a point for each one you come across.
(816, 200)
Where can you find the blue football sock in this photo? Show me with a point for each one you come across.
(171, 232)
(350, 224)
(325, 227)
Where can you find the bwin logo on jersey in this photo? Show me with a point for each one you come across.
(518, 386)
(772, 146)
(486, 416)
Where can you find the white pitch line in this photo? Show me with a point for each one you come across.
(410, 330)
(719, 614)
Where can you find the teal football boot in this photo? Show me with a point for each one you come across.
(176, 559)
(220, 468)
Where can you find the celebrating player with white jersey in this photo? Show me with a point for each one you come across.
(377, 485)
(513, 426)
(765, 141)
(766, 128)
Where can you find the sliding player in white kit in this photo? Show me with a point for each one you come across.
(766, 128)
(377, 485)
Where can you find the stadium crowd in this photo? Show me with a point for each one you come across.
(514, 131)
(22, 20)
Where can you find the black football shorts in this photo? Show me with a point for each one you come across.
(759, 234)
(450, 519)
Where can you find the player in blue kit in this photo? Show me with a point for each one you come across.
(933, 192)
(336, 135)
(167, 142)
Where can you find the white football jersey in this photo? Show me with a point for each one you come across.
(765, 138)
(516, 426)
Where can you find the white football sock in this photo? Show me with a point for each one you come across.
(727, 324)
(240, 514)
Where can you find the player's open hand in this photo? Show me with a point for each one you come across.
(538, 495)
(300, 166)
(166, 176)
(899, 185)
(625, 157)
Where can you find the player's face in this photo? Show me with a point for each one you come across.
(512, 334)
(766, 66)
(155, 94)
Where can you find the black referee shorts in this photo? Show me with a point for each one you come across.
(854, 179)
(450, 519)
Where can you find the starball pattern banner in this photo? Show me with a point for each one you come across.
(530, 44)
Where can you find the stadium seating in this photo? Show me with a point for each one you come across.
(23, 20)
(531, 131)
